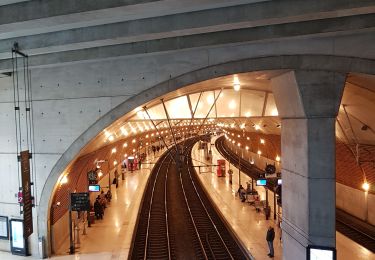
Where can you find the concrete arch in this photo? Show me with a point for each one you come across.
(306, 62)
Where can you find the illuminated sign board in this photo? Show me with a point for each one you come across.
(4, 233)
(17, 240)
(321, 253)
(94, 188)
(262, 182)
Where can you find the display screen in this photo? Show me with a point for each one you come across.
(17, 234)
(94, 188)
(262, 182)
(321, 253)
(279, 181)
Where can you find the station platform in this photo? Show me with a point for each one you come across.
(110, 238)
(251, 226)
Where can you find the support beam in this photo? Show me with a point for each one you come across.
(308, 103)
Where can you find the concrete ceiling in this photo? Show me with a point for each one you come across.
(58, 31)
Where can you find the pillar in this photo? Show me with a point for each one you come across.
(308, 103)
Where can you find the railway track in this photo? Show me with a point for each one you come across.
(244, 165)
(349, 230)
(176, 219)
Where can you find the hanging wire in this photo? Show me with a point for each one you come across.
(32, 137)
(14, 75)
(26, 101)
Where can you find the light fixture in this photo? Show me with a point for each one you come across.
(114, 162)
(259, 152)
(247, 114)
(262, 141)
(257, 127)
(64, 179)
(100, 173)
(365, 186)
(278, 158)
(239, 144)
(210, 99)
(114, 150)
(232, 104)
(274, 112)
(236, 83)
(125, 145)
(133, 141)
(247, 138)
(247, 148)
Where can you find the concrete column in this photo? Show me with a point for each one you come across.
(308, 102)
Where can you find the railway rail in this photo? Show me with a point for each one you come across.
(177, 220)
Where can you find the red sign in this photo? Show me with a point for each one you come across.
(26, 192)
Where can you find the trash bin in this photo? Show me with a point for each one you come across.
(92, 217)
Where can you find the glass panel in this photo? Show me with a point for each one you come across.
(252, 103)
(205, 104)
(228, 103)
(271, 109)
(157, 112)
(178, 108)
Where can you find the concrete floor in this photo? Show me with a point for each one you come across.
(110, 238)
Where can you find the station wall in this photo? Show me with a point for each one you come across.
(70, 97)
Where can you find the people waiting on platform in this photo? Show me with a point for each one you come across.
(108, 196)
(98, 209)
(248, 188)
(242, 193)
(102, 199)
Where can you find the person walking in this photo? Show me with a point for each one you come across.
(270, 237)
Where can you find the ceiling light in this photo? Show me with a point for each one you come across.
(262, 141)
(64, 180)
(274, 112)
(236, 83)
(259, 152)
(278, 158)
(232, 104)
(247, 147)
(365, 186)
(125, 145)
(210, 99)
(114, 150)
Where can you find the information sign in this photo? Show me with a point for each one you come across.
(26, 194)
(4, 233)
(17, 240)
(80, 201)
(321, 253)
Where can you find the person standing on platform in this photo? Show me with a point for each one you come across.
(230, 173)
(270, 237)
